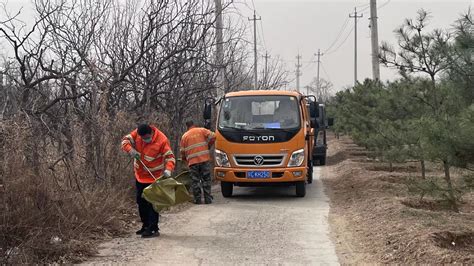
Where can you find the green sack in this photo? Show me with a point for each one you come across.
(185, 178)
(164, 193)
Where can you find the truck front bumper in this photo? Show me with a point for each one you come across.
(277, 175)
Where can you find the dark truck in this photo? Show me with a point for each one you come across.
(320, 143)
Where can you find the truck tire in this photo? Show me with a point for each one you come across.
(310, 171)
(227, 188)
(322, 160)
(301, 189)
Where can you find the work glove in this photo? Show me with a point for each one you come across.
(134, 154)
(167, 173)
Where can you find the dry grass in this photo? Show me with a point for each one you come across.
(43, 226)
(61, 213)
(375, 219)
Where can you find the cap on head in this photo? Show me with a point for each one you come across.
(189, 123)
(144, 129)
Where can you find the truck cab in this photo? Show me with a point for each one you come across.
(264, 138)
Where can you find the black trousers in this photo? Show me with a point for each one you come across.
(149, 217)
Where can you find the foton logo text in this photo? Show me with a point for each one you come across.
(258, 138)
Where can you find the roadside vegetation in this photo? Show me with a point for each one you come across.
(71, 85)
(427, 115)
(374, 217)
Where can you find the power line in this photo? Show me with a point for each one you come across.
(260, 33)
(309, 63)
(263, 36)
(244, 3)
(344, 25)
(325, 72)
(294, 61)
(384, 4)
(363, 5)
(344, 41)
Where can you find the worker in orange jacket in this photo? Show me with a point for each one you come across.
(150, 147)
(194, 150)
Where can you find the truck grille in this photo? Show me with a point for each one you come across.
(259, 160)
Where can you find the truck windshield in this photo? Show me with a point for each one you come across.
(260, 112)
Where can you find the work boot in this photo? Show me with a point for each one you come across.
(197, 201)
(155, 229)
(139, 232)
(147, 233)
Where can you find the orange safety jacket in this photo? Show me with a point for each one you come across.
(156, 155)
(195, 144)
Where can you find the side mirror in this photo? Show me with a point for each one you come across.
(208, 108)
(207, 124)
(207, 112)
(313, 109)
(330, 121)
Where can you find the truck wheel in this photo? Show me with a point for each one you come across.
(227, 188)
(301, 189)
(322, 160)
(310, 171)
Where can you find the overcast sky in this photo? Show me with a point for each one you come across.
(292, 26)
(289, 27)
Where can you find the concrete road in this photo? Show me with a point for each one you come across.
(256, 226)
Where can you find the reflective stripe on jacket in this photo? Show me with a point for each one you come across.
(156, 155)
(195, 144)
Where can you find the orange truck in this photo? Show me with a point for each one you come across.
(264, 137)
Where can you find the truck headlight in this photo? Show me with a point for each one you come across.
(296, 158)
(221, 159)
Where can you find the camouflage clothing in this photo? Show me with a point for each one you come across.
(201, 174)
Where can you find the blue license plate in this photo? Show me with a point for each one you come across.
(258, 174)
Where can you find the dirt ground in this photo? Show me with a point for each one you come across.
(373, 218)
(256, 226)
(370, 214)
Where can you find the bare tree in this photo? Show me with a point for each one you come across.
(274, 76)
(323, 91)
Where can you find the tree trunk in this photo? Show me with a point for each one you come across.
(447, 177)
(32, 149)
(423, 169)
(435, 94)
(3, 173)
(89, 148)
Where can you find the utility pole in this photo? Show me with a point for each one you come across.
(319, 54)
(374, 37)
(265, 73)
(298, 73)
(220, 88)
(254, 19)
(355, 16)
